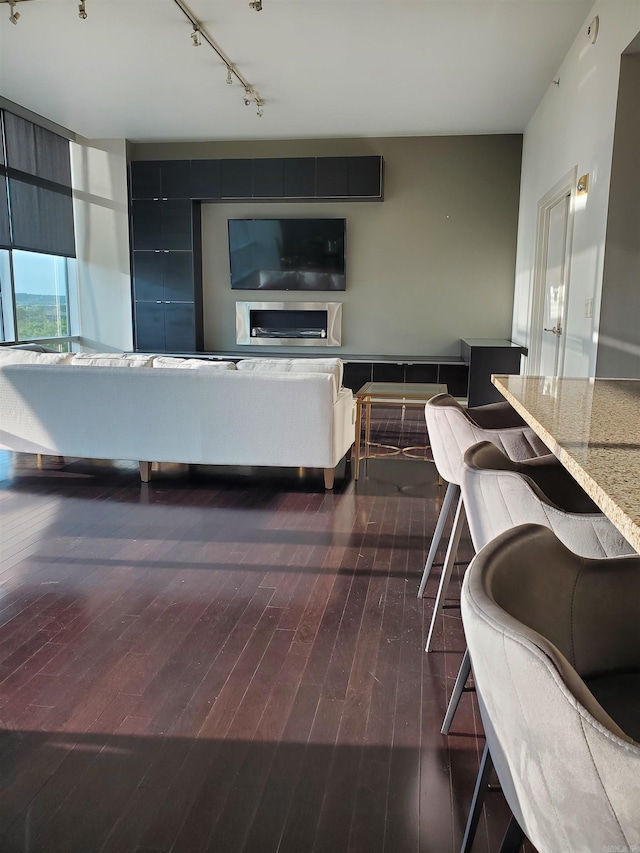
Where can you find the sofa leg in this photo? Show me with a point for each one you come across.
(329, 475)
(145, 471)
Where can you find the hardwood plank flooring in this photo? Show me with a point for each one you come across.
(229, 660)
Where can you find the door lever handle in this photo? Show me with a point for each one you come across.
(557, 330)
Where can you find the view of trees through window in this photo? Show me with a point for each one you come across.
(41, 295)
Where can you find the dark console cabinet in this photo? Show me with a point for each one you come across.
(485, 357)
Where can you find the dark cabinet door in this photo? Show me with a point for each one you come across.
(161, 224)
(384, 372)
(356, 373)
(163, 275)
(365, 177)
(332, 177)
(146, 224)
(235, 178)
(177, 276)
(300, 177)
(179, 327)
(175, 178)
(176, 226)
(145, 179)
(421, 373)
(150, 327)
(268, 178)
(205, 179)
(147, 276)
(157, 179)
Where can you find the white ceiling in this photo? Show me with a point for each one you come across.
(324, 68)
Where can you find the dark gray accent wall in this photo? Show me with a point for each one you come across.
(619, 332)
(431, 264)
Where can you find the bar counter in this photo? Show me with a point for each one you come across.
(593, 427)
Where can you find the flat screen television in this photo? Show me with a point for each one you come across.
(287, 254)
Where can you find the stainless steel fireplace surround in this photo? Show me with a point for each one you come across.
(302, 324)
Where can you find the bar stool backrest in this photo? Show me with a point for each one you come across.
(500, 494)
(544, 628)
(452, 429)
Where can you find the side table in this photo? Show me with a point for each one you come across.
(389, 394)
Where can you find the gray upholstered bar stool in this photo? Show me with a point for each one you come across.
(452, 429)
(500, 494)
(555, 642)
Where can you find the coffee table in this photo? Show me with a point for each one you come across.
(389, 394)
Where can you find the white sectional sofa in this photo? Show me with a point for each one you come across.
(273, 412)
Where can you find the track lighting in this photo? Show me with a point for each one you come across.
(198, 34)
(201, 32)
(13, 15)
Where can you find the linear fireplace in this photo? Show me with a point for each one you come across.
(303, 324)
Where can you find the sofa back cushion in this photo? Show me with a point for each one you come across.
(192, 363)
(8, 355)
(332, 366)
(111, 359)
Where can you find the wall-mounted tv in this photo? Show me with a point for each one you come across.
(287, 254)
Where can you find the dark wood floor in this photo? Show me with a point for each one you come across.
(228, 661)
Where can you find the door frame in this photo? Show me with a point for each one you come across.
(566, 186)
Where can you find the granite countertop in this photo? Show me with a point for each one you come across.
(593, 427)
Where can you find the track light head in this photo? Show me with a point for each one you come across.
(195, 37)
(82, 10)
(14, 16)
(256, 5)
(229, 77)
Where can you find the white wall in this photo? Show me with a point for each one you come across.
(99, 169)
(574, 126)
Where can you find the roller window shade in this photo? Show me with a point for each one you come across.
(42, 218)
(38, 167)
(37, 151)
(5, 234)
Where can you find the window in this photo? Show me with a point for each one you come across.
(41, 286)
(37, 241)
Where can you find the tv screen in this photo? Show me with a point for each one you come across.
(287, 254)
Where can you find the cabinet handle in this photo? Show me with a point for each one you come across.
(156, 251)
(166, 251)
(165, 198)
(167, 303)
(156, 198)
(158, 301)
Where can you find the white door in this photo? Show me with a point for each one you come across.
(554, 284)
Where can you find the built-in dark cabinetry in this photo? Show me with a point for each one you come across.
(166, 196)
(259, 178)
(166, 275)
(485, 357)
(452, 373)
